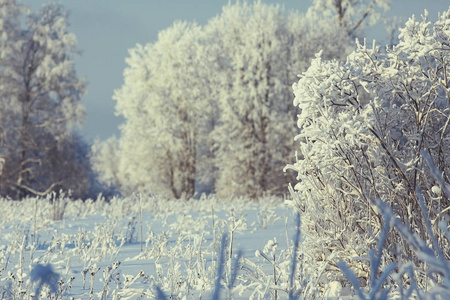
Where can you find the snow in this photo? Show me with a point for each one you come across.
(97, 250)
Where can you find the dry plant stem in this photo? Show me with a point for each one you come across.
(294, 257)
(231, 244)
(220, 268)
(91, 288)
(213, 228)
(275, 277)
(35, 220)
(84, 272)
(140, 220)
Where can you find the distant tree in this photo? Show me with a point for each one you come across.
(351, 15)
(363, 125)
(262, 50)
(253, 49)
(10, 14)
(40, 98)
(105, 161)
(163, 101)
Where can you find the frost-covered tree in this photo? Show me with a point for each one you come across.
(163, 100)
(40, 97)
(10, 13)
(364, 124)
(253, 50)
(106, 160)
(206, 108)
(262, 49)
(351, 16)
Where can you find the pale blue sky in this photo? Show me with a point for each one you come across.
(107, 29)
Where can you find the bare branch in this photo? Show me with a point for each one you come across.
(37, 193)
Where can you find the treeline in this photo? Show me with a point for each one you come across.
(208, 109)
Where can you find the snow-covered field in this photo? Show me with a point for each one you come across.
(134, 247)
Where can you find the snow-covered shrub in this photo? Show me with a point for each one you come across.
(431, 254)
(363, 124)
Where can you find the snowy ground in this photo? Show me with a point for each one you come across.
(131, 247)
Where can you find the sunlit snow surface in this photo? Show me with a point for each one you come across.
(96, 247)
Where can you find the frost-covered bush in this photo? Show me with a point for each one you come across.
(363, 124)
(407, 275)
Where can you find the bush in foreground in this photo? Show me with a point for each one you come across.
(364, 124)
